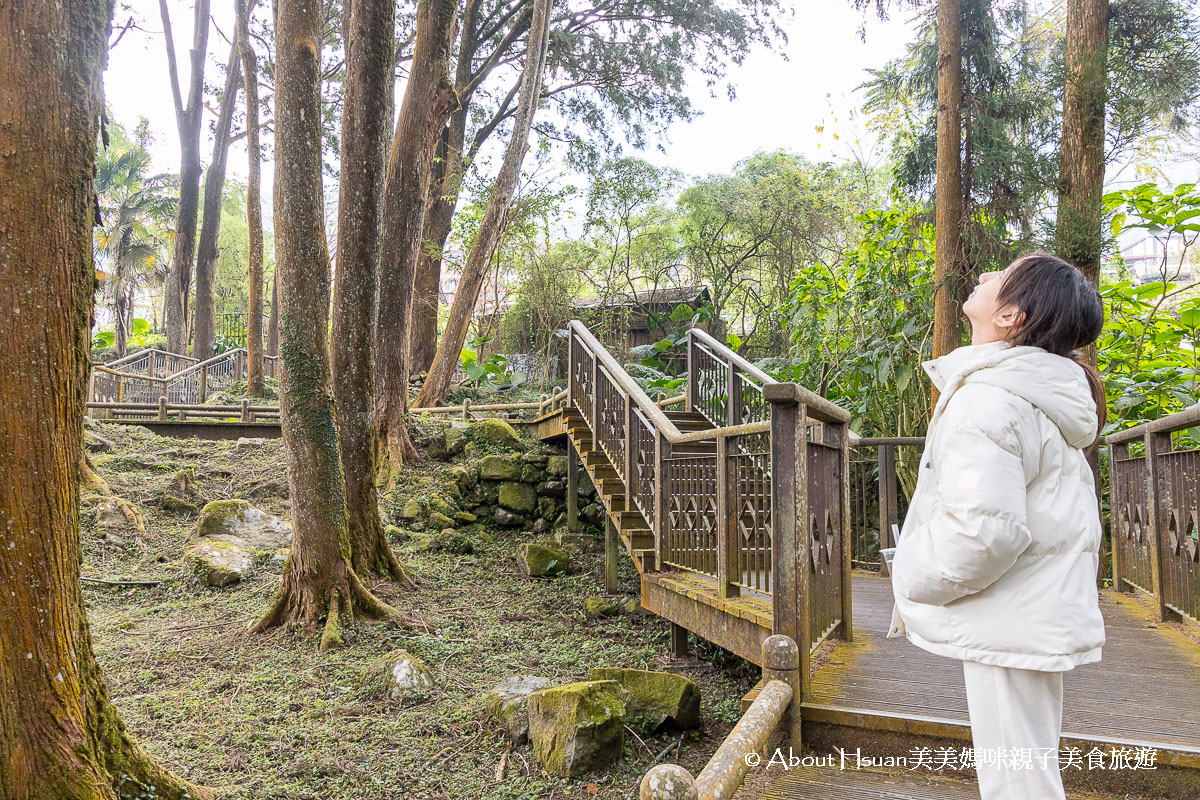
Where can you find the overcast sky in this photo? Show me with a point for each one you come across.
(781, 97)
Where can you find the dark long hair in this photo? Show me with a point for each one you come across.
(1063, 315)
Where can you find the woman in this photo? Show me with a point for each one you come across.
(997, 562)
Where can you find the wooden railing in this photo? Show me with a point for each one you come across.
(1154, 501)
(162, 411)
(875, 494)
(195, 383)
(736, 502)
(151, 362)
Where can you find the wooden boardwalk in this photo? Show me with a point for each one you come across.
(1145, 689)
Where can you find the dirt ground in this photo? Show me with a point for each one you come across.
(268, 716)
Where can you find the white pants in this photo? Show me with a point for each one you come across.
(1016, 721)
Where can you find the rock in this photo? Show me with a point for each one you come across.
(540, 526)
(593, 513)
(184, 479)
(238, 519)
(464, 478)
(114, 539)
(508, 704)
(418, 542)
(498, 468)
(244, 443)
(177, 504)
(576, 727)
(586, 487)
(546, 508)
(465, 517)
(597, 607)
(280, 556)
(557, 466)
(531, 474)
(439, 521)
(116, 513)
(632, 605)
(394, 533)
(439, 503)
(517, 496)
(400, 674)
(535, 457)
(455, 439)
(496, 433)
(507, 518)
(219, 563)
(411, 510)
(654, 699)
(540, 560)
(97, 444)
(451, 541)
(552, 489)
(169, 453)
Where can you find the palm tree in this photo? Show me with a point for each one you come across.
(134, 209)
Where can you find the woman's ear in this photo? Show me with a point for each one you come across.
(1008, 319)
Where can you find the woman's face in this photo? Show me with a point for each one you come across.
(989, 322)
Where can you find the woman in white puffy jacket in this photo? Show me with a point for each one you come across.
(997, 562)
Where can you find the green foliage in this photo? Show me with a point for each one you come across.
(491, 370)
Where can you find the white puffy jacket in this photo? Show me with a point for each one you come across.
(997, 559)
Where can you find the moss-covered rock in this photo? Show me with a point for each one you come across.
(557, 466)
(417, 542)
(237, 518)
(498, 468)
(631, 605)
(507, 518)
(439, 521)
(218, 563)
(395, 534)
(455, 440)
(400, 675)
(508, 704)
(519, 497)
(452, 541)
(411, 510)
(439, 503)
(654, 699)
(496, 434)
(118, 514)
(577, 727)
(465, 517)
(540, 560)
(178, 505)
(466, 479)
(599, 607)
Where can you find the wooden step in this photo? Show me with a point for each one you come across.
(639, 540)
(609, 487)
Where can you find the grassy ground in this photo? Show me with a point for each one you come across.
(271, 717)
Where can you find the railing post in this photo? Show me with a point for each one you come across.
(594, 422)
(572, 487)
(630, 465)
(245, 409)
(841, 430)
(789, 521)
(1116, 500)
(691, 373)
(570, 367)
(733, 396)
(611, 547)
(781, 662)
(723, 519)
(1157, 491)
(888, 513)
(203, 385)
(120, 387)
(162, 409)
(662, 494)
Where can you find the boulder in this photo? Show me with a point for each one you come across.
(451, 541)
(411, 510)
(217, 563)
(455, 440)
(439, 503)
(632, 605)
(465, 479)
(547, 508)
(401, 675)
(418, 542)
(238, 520)
(552, 488)
(498, 468)
(465, 517)
(439, 521)
(507, 518)
(540, 560)
(654, 699)
(577, 727)
(244, 443)
(557, 466)
(519, 497)
(116, 513)
(395, 534)
(531, 474)
(540, 526)
(535, 457)
(496, 433)
(596, 607)
(508, 704)
(180, 506)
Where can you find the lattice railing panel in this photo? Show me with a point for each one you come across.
(750, 565)
(690, 538)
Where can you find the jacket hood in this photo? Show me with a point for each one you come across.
(1055, 384)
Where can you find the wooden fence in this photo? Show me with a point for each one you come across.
(195, 383)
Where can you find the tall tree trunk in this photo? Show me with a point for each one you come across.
(187, 121)
(273, 321)
(429, 99)
(948, 260)
(255, 386)
(60, 736)
(366, 124)
(433, 392)
(318, 579)
(204, 338)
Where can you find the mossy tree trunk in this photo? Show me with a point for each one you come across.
(60, 736)
(366, 123)
(254, 326)
(429, 99)
(187, 121)
(318, 579)
(204, 337)
(433, 391)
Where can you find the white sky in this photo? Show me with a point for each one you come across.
(781, 96)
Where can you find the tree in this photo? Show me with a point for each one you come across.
(187, 121)
(437, 382)
(366, 123)
(429, 98)
(254, 326)
(205, 329)
(60, 736)
(134, 207)
(948, 278)
(318, 579)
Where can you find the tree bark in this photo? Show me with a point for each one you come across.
(433, 392)
(187, 121)
(429, 99)
(366, 124)
(255, 386)
(60, 736)
(273, 321)
(948, 259)
(204, 337)
(318, 579)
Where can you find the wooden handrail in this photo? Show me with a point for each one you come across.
(728, 353)
(1188, 418)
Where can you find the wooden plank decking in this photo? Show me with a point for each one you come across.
(1145, 689)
